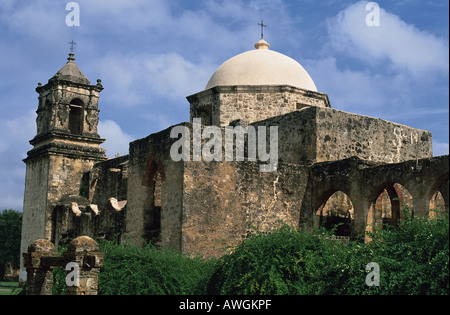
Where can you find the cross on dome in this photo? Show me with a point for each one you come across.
(262, 28)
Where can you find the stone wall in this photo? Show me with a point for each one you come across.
(49, 211)
(297, 135)
(214, 216)
(35, 202)
(225, 104)
(197, 205)
(341, 135)
(225, 201)
(96, 207)
(200, 207)
(107, 179)
(317, 134)
(75, 215)
(68, 171)
(150, 158)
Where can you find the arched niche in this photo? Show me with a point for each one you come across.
(152, 181)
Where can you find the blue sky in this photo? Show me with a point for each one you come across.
(151, 54)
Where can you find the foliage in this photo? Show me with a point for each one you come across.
(413, 259)
(132, 270)
(10, 235)
(283, 262)
(59, 275)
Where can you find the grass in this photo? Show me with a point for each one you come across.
(7, 288)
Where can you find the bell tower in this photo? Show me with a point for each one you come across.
(68, 106)
(66, 146)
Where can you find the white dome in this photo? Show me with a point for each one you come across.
(262, 67)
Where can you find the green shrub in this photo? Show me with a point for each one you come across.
(284, 261)
(131, 270)
(59, 275)
(59, 281)
(413, 259)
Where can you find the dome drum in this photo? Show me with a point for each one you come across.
(221, 105)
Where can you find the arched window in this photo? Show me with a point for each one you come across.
(76, 117)
(439, 201)
(387, 209)
(152, 181)
(337, 213)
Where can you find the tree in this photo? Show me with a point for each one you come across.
(10, 235)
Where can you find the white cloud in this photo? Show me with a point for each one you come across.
(361, 92)
(348, 87)
(402, 44)
(117, 141)
(136, 79)
(38, 21)
(174, 76)
(227, 9)
(162, 120)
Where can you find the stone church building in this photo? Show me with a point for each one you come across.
(332, 166)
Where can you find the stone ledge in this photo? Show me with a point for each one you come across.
(258, 89)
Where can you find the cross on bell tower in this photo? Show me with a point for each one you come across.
(72, 44)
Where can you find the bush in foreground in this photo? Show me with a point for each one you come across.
(413, 259)
(131, 270)
(285, 261)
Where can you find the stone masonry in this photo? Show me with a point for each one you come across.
(82, 260)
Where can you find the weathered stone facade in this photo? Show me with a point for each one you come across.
(316, 134)
(226, 201)
(222, 105)
(39, 275)
(332, 167)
